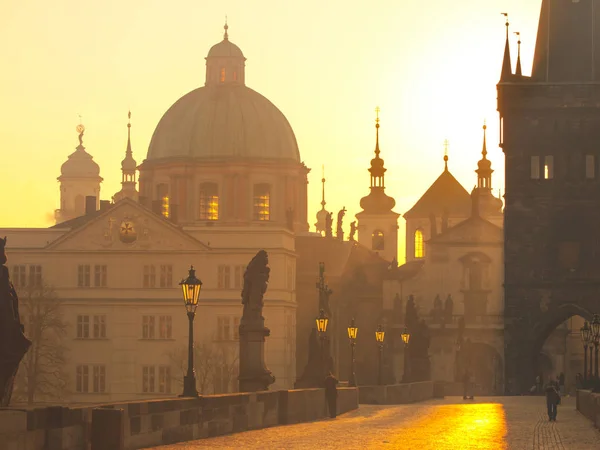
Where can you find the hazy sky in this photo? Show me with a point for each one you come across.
(431, 66)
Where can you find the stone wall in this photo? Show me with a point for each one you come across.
(396, 394)
(133, 425)
(588, 404)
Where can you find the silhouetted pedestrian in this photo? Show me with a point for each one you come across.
(552, 400)
(331, 383)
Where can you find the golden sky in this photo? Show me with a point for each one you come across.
(431, 66)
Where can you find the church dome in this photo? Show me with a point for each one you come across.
(377, 202)
(80, 164)
(225, 49)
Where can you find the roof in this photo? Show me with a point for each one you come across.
(225, 48)
(407, 271)
(474, 230)
(445, 195)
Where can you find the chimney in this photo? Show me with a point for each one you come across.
(104, 205)
(90, 205)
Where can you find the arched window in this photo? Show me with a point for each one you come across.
(377, 240)
(208, 207)
(162, 191)
(222, 75)
(262, 202)
(419, 248)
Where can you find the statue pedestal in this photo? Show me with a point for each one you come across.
(254, 375)
(317, 368)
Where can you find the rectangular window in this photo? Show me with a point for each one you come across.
(100, 276)
(83, 275)
(224, 277)
(236, 328)
(148, 323)
(535, 167)
(35, 276)
(19, 276)
(208, 207)
(223, 328)
(590, 166)
(99, 327)
(149, 276)
(164, 379)
(548, 167)
(166, 276)
(99, 376)
(82, 379)
(165, 327)
(83, 327)
(262, 202)
(238, 279)
(148, 376)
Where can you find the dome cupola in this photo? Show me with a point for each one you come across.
(80, 164)
(225, 63)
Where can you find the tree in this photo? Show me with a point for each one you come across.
(41, 375)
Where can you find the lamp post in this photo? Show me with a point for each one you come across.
(191, 290)
(379, 337)
(352, 333)
(585, 338)
(322, 322)
(405, 338)
(595, 325)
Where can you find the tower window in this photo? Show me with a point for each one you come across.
(535, 167)
(262, 202)
(378, 241)
(162, 192)
(548, 167)
(590, 166)
(222, 75)
(209, 202)
(419, 249)
(165, 206)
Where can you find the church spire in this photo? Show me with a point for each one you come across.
(446, 144)
(519, 72)
(128, 169)
(226, 27)
(484, 166)
(506, 64)
(322, 214)
(377, 169)
(323, 202)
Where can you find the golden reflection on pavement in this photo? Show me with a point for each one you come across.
(480, 426)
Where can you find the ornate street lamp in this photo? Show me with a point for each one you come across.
(596, 339)
(379, 337)
(406, 339)
(352, 333)
(322, 322)
(585, 338)
(191, 290)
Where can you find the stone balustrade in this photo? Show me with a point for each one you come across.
(588, 404)
(133, 425)
(396, 394)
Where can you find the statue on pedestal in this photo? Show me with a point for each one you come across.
(254, 374)
(340, 220)
(352, 230)
(13, 343)
(329, 225)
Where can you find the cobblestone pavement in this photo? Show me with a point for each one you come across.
(488, 423)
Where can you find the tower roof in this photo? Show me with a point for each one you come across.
(128, 164)
(568, 42)
(506, 62)
(80, 163)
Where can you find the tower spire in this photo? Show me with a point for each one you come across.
(377, 151)
(506, 64)
(484, 166)
(446, 144)
(377, 168)
(484, 149)
(519, 72)
(323, 202)
(128, 152)
(226, 27)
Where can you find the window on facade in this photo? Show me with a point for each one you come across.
(223, 328)
(166, 276)
(262, 202)
(222, 76)
(590, 166)
(35, 276)
(148, 327)
(377, 240)
(149, 276)
(99, 379)
(82, 379)
(19, 276)
(162, 194)
(548, 167)
(100, 275)
(165, 327)
(83, 275)
(223, 277)
(419, 245)
(238, 281)
(164, 379)
(99, 327)
(83, 327)
(208, 208)
(148, 378)
(535, 167)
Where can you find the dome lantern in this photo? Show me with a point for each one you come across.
(225, 63)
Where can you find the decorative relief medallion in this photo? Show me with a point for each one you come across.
(127, 231)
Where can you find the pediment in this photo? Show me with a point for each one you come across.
(127, 226)
(474, 230)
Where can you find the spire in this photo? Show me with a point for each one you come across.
(506, 64)
(323, 202)
(377, 169)
(128, 152)
(226, 27)
(484, 166)
(484, 148)
(322, 214)
(446, 144)
(128, 170)
(519, 71)
(377, 151)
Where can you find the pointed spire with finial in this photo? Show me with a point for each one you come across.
(226, 27)
(322, 214)
(128, 152)
(484, 166)
(519, 72)
(506, 64)
(377, 168)
(446, 144)
(323, 202)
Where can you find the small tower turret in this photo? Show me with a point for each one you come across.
(128, 170)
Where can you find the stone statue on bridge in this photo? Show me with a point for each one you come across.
(13, 343)
(254, 374)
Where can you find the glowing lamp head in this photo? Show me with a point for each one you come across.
(352, 330)
(380, 334)
(322, 322)
(191, 290)
(586, 333)
(595, 328)
(405, 336)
